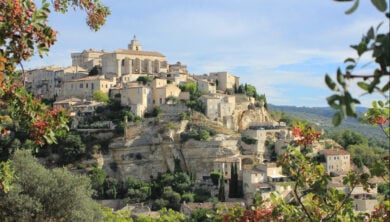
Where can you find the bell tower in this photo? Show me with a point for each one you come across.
(135, 45)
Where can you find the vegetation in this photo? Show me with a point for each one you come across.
(101, 96)
(249, 140)
(201, 133)
(51, 195)
(145, 79)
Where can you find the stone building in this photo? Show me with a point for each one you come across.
(218, 106)
(178, 68)
(85, 87)
(87, 58)
(206, 86)
(133, 61)
(265, 179)
(47, 81)
(137, 97)
(336, 160)
(225, 80)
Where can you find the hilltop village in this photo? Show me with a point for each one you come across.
(203, 124)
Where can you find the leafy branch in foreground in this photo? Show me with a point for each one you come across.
(379, 46)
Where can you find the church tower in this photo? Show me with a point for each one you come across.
(135, 45)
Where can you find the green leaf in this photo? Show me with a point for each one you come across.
(381, 104)
(381, 5)
(340, 77)
(370, 33)
(336, 120)
(350, 67)
(349, 60)
(363, 85)
(353, 8)
(386, 87)
(332, 101)
(330, 83)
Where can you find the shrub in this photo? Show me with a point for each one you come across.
(249, 140)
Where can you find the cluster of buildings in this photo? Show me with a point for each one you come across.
(116, 73)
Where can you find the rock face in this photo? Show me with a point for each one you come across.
(257, 116)
(154, 146)
(144, 154)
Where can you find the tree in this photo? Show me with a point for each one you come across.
(24, 30)
(101, 96)
(39, 194)
(379, 45)
(98, 177)
(95, 71)
(70, 148)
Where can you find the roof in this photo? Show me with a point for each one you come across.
(333, 152)
(139, 53)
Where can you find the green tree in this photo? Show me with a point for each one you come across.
(348, 137)
(101, 96)
(70, 148)
(94, 71)
(97, 177)
(39, 194)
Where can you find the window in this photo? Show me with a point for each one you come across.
(81, 85)
(91, 85)
(86, 85)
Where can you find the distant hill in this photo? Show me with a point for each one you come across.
(322, 117)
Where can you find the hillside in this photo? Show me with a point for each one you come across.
(322, 117)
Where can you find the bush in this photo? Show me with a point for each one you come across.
(201, 195)
(249, 140)
(215, 176)
(188, 197)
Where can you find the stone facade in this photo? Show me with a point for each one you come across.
(85, 87)
(336, 160)
(225, 80)
(87, 58)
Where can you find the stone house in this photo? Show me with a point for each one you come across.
(137, 97)
(161, 93)
(206, 86)
(224, 164)
(87, 58)
(43, 81)
(85, 87)
(218, 106)
(265, 179)
(225, 80)
(336, 160)
(47, 81)
(178, 68)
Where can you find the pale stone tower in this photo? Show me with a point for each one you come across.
(135, 45)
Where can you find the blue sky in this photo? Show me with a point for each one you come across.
(284, 48)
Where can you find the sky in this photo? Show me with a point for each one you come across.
(283, 48)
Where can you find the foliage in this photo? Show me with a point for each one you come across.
(215, 176)
(97, 177)
(235, 187)
(202, 215)
(166, 215)
(95, 70)
(379, 45)
(70, 148)
(378, 115)
(118, 216)
(249, 140)
(39, 194)
(366, 154)
(145, 79)
(189, 87)
(347, 137)
(6, 176)
(201, 195)
(23, 31)
(197, 133)
(101, 96)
